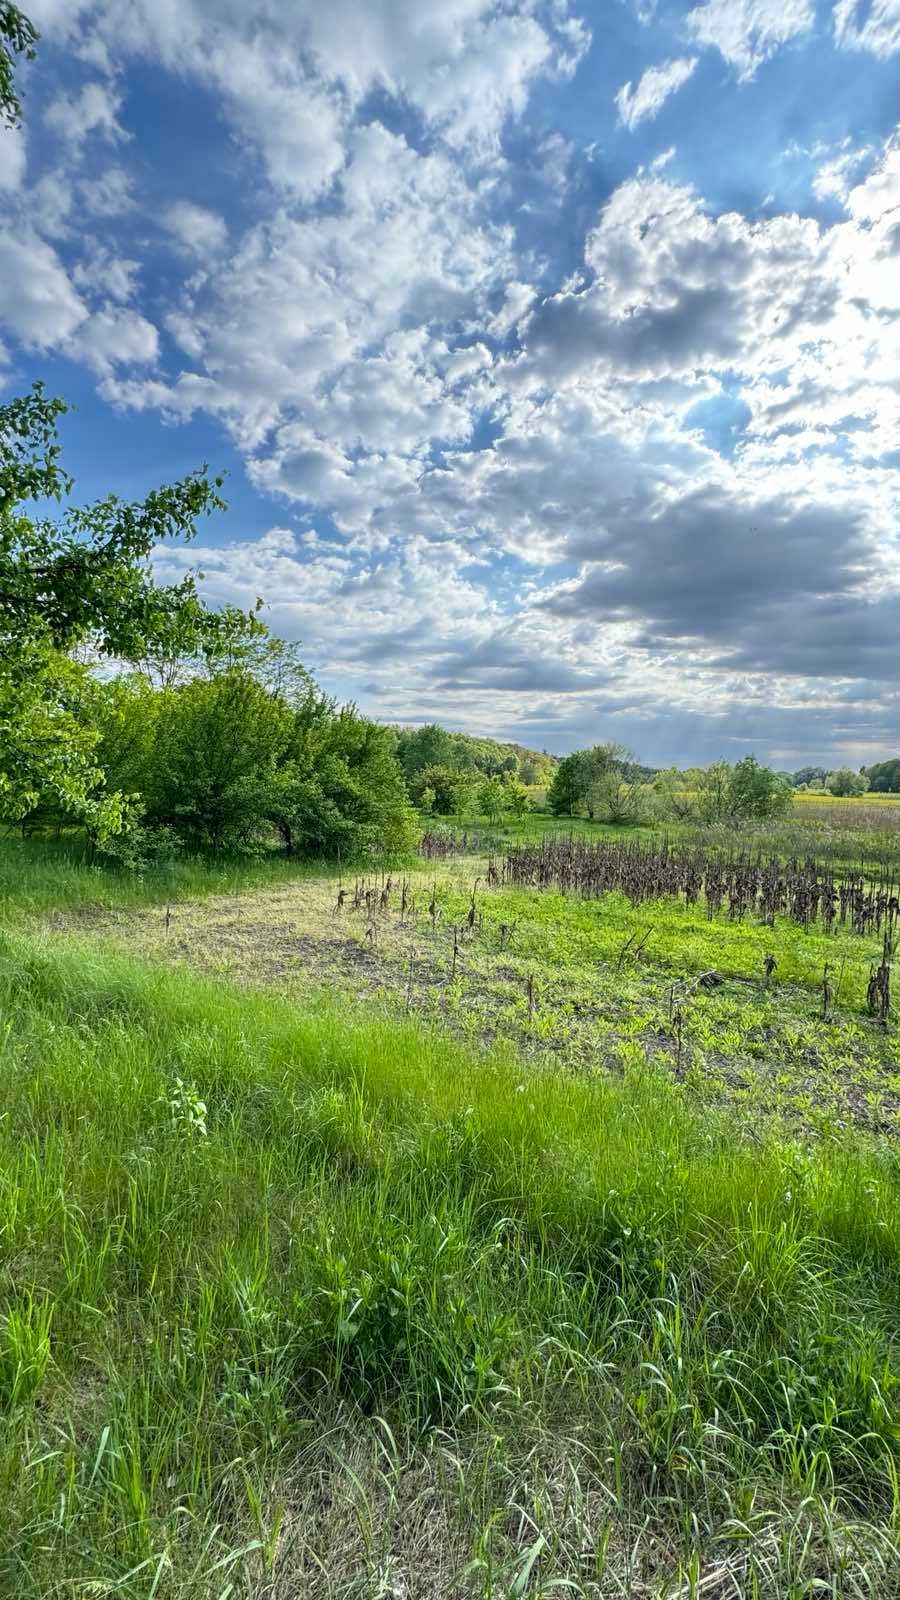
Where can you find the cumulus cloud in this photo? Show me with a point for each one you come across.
(38, 303)
(749, 32)
(200, 231)
(290, 75)
(654, 89)
(114, 336)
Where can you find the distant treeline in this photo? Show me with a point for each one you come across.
(881, 778)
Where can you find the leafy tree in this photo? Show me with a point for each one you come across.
(884, 777)
(613, 797)
(18, 37)
(574, 790)
(86, 579)
(674, 794)
(448, 788)
(570, 784)
(757, 791)
(429, 746)
(492, 798)
(219, 743)
(747, 789)
(845, 783)
(517, 799)
(809, 778)
(340, 786)
(713, 788)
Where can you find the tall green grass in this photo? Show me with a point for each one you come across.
(41, 876)
(322, 1304)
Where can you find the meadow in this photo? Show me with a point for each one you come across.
(402, 1232)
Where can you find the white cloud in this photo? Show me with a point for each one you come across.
(290, 75)
(304, 321)
(114, 336)
(654, 89)
(38, 303)
(706, 407)
(93, 110)
(874, 27)
(518, 298)
(833, 178)
(109, 194)
(879, 193)
(101, 272)
(200, 231)
(748, 32)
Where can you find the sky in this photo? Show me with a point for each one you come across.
(551, 347)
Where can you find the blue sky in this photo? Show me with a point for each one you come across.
(552, 349)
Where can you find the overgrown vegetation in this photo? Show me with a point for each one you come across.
(298, 1301)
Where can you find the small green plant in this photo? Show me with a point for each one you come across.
(186, 1109)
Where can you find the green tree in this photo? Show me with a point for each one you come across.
(809, 778)
(884, 777)
(449, 789)
(674, 795)
(575, 788)
(757, 791)
(219, 744)
(18, 37)
(86, 579)
(518, 802)
(340, 786)
(429, 746)
(846, 783)
(570, 784)
(713, 789)
(492, 798)
(615, 797)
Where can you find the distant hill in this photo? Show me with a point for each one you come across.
(433, 746)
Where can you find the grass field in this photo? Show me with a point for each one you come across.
(327, 1272)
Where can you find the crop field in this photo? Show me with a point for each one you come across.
(448, 1229)
(585, 985)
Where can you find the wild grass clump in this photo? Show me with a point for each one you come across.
(315, 1304)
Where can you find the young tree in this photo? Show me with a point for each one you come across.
(340, 786)
(517, 800)
(757, 791)
(714, 791)
(571, 782)
(492, 798)
(219, 744)
(673, 795)
(87, 578)
(616, 798)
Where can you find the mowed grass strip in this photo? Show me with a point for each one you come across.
(299, 1302)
